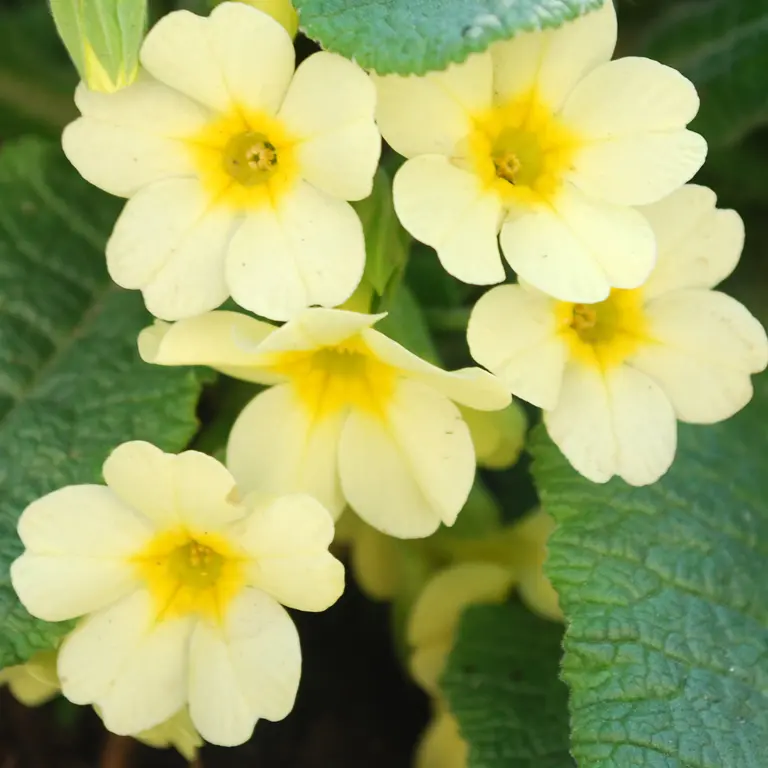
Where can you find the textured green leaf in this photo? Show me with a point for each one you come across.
(416, 36)
(502, 684)
(664, 591)
(722, 45)
(72, 386)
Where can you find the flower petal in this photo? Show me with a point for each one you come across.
(309, 250)
(631, 113)
(151, 684)
(441, 745)
(206, 494)
(699, 245)
(189, 489)
(705, 347)
(472, 387)
(93, 654)
(615, 422)
(171, 243)
(553, 60)
(288, 540)
(82, 520)
(222, 340)
(433, 113)
(447, 208)
(513, 332)
(329, 107)
(142, 476)
(247, 669)
(277, 447)
(315, 328)
(116, 148)
(60, 587)
(410, 470)
(579, 249)
(236, 57)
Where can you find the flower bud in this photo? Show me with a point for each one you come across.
(103, 38)
(281, 11)
(498, 436)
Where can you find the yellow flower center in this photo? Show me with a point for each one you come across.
(245, 160)
(520, 150)
(607, 333)
(330, 379)
(191, 573)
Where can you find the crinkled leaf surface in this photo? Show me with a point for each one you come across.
(416, 36)
(502, 684)
(664, 589)
(722, 45)
(72, 385)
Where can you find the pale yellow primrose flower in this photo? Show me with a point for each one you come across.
(180, 585)
(546, 140)
(35, 682)
(498, 436)
(613, 377)
(238, 169)
(280, 10)
(435, 615)
(354, 417)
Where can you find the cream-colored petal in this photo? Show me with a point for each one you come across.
(698, 244)
(513, 332)
(427, 664)
(430, 115)
(248, 669)
(436, 613)
(236, 57)
(277, 447)
(409, 470)
(553, 60)
(207, 498)
(147, 107)
(630, 96)
(447, 207)
(472, 387)
(143, 477)
(329, 108)
(171, 243)
(617, 238)
(151, 684)
(706, 346)
(545, 252)
(309, 250)
(121, 160)
(631, 114)
(58, 587)
(255, 54)
(288, 540)
(638, 169)
(84, 521)
(92, 656)
(314, 328)
(222, 340)
(117, 148)
(615, 422)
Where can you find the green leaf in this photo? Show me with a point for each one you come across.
(722, 46)
(406, 325)
(72, 386)
(664, 591)
(416, 36)
(386, 242)
(502, 685)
